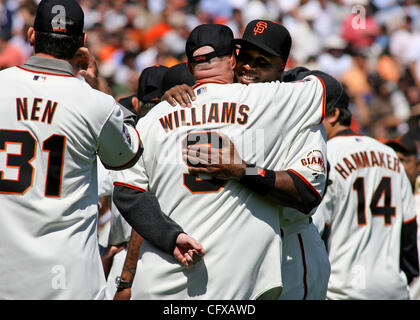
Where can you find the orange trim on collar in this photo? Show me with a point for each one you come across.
(207, 82)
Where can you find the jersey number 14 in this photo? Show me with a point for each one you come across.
(383, 190)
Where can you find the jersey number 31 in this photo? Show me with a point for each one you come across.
(54, 145)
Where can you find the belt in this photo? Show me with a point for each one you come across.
(295, 227)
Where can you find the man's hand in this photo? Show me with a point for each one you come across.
(124, 294)
(108, 256)
(85, 63)
(223, 163)
(183, 94)
(188, 251)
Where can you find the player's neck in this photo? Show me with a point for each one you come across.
(337, 129)
(45, 55)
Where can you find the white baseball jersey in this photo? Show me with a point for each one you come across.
(271, 125)
(365, 206)
(52, 127)
(415, 284)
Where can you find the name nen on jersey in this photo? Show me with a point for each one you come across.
(36, 110)
(214, 113)
(364, 159)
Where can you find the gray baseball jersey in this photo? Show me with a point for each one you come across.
(53, 126)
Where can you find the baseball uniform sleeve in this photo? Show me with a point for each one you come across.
(142, 211)
(306, 99)
(119, 144)
(306, 164)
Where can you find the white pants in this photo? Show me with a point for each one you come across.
(305, 265)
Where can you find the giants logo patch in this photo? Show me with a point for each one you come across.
(260, 27)
(314, 161)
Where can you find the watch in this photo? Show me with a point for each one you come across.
(121, 284)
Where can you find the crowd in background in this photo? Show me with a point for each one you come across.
(372, 47)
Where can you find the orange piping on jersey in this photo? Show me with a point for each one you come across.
(302, 250)
(305, 181)
(324, 99)
(410, 220)
(122, 184)
(139, 149)
(61, 168)
(207, 82)
(47, 73)
(29, 161)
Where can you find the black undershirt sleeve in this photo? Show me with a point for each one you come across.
(309, 198)
(142, 211)
(409, 261)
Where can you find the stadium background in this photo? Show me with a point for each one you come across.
(372, 47)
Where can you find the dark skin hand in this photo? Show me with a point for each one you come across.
(130, 265)
(225, 163)
(180, 93)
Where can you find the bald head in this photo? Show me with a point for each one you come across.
(217, 69)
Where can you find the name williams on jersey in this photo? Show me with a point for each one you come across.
(226, 112)
(36, 110)
(359, 160)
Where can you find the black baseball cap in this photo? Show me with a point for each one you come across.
(127, 102)
(270, 36)
(335, 95)
(217, 36)
(150, 83)
(176, 75)
(59, 16)
(404, 144)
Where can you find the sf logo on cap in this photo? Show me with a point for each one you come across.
(260, 27)
(58, 23)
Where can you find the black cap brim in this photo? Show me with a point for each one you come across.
(258, 45)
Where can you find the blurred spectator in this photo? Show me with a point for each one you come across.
(126, 36)
(236, 23)
(10, 55)
(360, 28)
(216, 9)
(356, 77)
(334, 60)
(388, 68)
(404, 42)
(383, 122)
(5, 19)
(306, 42)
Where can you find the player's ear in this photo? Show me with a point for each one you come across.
(136, 104)
(233, 60)
(333, 116)
(31, 36)
(84, 39)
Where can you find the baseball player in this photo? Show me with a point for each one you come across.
(224, 215)
(53, 127)
(406, 150)
(152, 81)
(367, 216)
(264, 49)
(49, 142)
